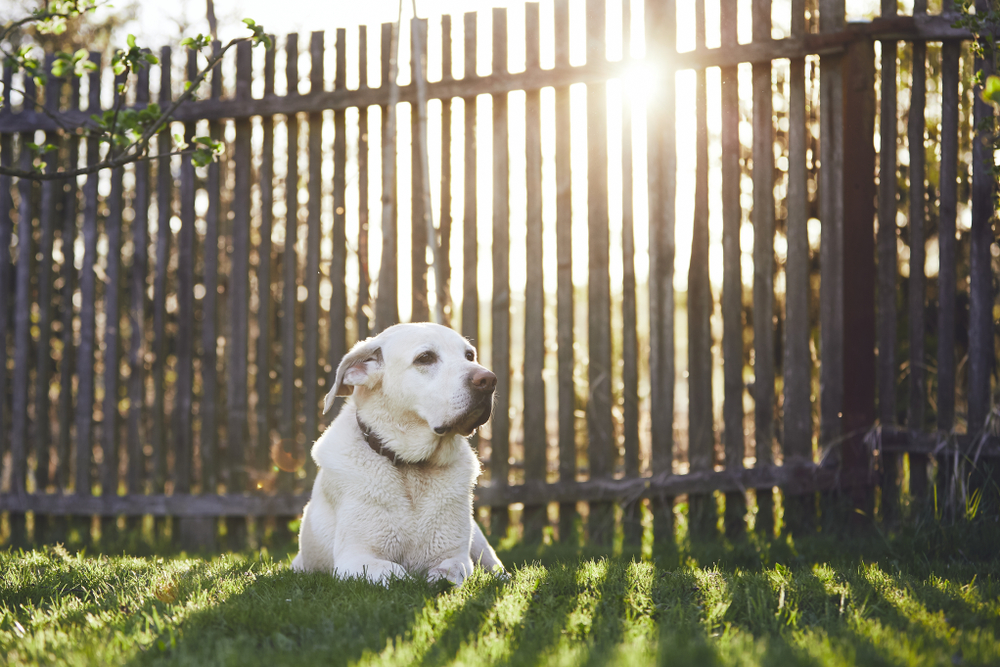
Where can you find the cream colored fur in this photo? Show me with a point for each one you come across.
(370, 518)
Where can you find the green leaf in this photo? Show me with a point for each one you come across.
(131, 41)
(991, 90)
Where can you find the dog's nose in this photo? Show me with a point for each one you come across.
(484, 381)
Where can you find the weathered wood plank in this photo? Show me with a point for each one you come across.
(112, 346)
(858, 273)
(535, 439)
(950, 55)
(564, 278)
(732, 286)
(661, 38)
(831, 312)
(238, 288)
(798, 478)
(470, 228)
(262, 362)
(310, 348)
(88, 296)
(419, 193)
(160, 431)
(763, 265)
(208, 410)
(631, 519)
(289, 425)
(917, 285)
(138, 272)
(6, 264)
(500, 438)
(363, 310)
(797, 364)
(387, 302)
(888, 265)
(184, 398)
(184, 506)
(19, 444)
(793, 478)
(338, 265)
(981, 345)
(442, 277)
(701, 426)
(602, 447)
(44, 366)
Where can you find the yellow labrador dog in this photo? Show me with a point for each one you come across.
(393, 495)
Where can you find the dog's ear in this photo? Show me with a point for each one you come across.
(355, 368)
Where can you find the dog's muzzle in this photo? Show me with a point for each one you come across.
(482, 384)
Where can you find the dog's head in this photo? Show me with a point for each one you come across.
(423, 372)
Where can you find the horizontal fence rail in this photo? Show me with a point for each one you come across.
(690, 270)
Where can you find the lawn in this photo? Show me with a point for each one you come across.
(930, 597)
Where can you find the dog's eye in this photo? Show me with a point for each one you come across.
(425, 359)
(470, 355)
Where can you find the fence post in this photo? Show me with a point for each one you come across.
(858, 197)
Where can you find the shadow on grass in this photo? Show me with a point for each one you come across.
(315, 618)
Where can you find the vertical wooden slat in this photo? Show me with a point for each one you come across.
(950, 55)
(888, 266)
(311, 342)
(264, 312)
(470, 229)
(22, 333)
(600, 426)
(238, 296)
(112, 343)
(136, 436)
(661, 40)
(88, 295)
(701, 433)
(732, 286)
(43, 350)
(419, 309)
(858, 271)
(831, 315)
(338, 267)
(208, 409)
(564, 278)
(981, 350)
(500, 441)
(184, 401)
(443, 281)
(917, 287)
(6, 266)
(164, 205)
(289, 268)
(632, 520)
(535, 440)
(797, 444)
(470, 221)
(387, 305)
(364, 276)
(763, 264)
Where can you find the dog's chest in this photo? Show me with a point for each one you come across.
(432, 516)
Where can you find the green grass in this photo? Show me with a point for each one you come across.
(930, 598)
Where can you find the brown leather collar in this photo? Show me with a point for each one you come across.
(376, 444)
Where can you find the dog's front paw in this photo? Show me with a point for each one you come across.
(376, 571)
(454, 570)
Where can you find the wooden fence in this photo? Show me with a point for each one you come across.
(168, 330)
